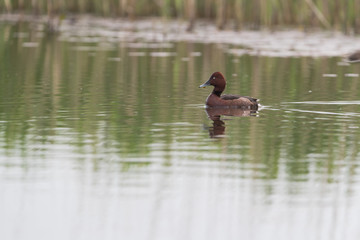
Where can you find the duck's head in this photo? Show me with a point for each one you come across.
(217, 80)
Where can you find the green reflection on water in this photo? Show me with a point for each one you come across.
(124, 103)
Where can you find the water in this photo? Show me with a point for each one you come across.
(105, 140)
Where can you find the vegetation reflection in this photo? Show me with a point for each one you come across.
(133, 103)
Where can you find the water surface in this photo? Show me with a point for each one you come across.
(104, 140)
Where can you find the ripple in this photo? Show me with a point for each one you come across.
(355, 102)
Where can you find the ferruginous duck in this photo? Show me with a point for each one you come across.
(215, 99)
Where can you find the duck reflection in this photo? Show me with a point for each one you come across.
(218, 128)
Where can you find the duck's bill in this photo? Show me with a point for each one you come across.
(205, 85)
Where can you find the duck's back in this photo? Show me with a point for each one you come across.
(236, 101)
(233, 97)
(241, 101)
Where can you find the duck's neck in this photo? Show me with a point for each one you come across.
(217, 92)
(219, 88)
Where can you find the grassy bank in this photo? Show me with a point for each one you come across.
(255, 14)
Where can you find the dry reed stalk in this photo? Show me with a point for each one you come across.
(221, 14)
(318, 13)
(191, 14)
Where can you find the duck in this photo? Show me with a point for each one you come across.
(215, 99)
(354, 57)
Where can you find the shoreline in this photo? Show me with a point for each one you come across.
(287, 42)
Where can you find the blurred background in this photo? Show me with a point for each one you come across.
(104, 132)
(257, 14)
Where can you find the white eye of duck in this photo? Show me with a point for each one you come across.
(213, 77)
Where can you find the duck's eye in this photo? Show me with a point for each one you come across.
(213, 77)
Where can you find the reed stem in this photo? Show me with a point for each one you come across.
(328, 14)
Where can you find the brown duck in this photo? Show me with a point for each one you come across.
(215, 99)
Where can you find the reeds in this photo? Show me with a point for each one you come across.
(330, 14)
